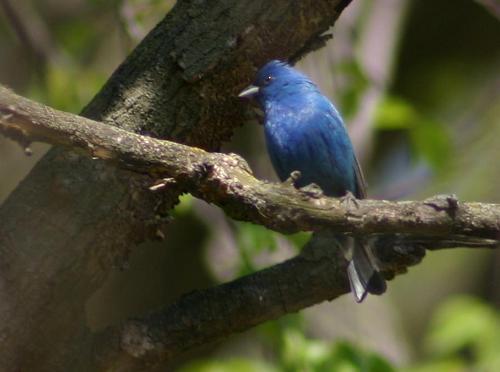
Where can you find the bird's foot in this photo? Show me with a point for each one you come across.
(349, 201)
(293, 178)
(312, 191)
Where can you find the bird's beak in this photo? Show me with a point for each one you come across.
(249, 91)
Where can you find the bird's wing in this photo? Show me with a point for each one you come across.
(360, 182)
(360, 179)
(360, 191)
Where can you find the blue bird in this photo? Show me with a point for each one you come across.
(304, 132)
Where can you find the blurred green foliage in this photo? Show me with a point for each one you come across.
(61, 91)
(464, 333)
(185, 205)
(429, 138)
(74, 72)
(252, 240)
(229, 365)
(306, 354)
(357, 82)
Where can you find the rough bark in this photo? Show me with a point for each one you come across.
(63, 228)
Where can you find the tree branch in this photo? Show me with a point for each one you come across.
(226, 181)
(210, 315)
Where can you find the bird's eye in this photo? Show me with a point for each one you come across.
(268, 78)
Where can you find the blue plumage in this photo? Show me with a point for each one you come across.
(305, 132)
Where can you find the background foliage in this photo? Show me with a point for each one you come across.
(418, 84)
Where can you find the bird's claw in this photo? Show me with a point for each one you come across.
(312, 190)
(293, 178)
(349, 201)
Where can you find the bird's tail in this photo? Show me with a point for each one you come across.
(364, 276)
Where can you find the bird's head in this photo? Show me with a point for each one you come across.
(275, 80)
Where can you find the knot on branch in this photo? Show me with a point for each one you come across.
(396, 253)
(236, 160)
(447, 203)
(11, 125)
(136, 341)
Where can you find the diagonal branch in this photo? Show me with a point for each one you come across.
(210, 315)
(226, 181)
(317, 274)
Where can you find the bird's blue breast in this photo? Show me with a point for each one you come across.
(304, 132)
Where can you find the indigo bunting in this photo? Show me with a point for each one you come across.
(304, 132)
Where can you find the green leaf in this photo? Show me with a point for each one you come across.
(251, 240)
(300, 353)
(431, 142)
(429, 138)
(229, 365)
(299, 239)
(255, 238)
(346, 357)
(185, 205)
(464, 322)
(67, 87)
(78, 39)
(394, 114)
(354, 87)
(447, 365)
